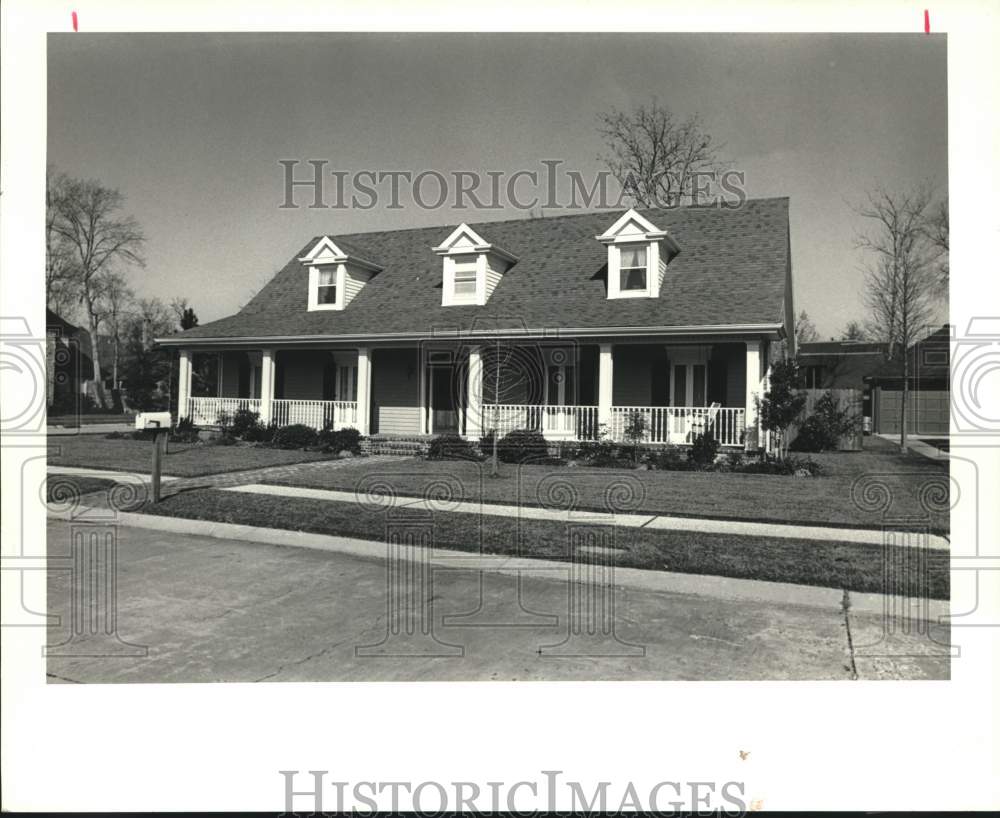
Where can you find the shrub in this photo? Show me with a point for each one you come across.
(259, 433)
(242, 422)
(486, 444)
(824, 427)
(522, 445)
(667, 458)
(602, 454)
(338, 441)
(703, 449)
(296, 436)
(114, 436)
(451, 447)
(788, 466)
(184, 431)
(223, 440)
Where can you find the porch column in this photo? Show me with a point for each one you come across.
(605, 380)
(364, 390)
(266, 384)
(422, 388)
(184, 384)
(752, 385)
(474, 395)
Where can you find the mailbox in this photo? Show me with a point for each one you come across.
(152, 420)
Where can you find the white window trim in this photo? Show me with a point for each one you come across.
(652, 289)
(339, 281)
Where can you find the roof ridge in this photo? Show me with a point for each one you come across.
(561, 217)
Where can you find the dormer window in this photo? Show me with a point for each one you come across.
(632, 269)
(326, 286)
(638, 254)
(471, 267)
(336, 274)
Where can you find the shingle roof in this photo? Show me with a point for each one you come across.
(732, 269)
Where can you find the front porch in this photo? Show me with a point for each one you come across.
(566, 391)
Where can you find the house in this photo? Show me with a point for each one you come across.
(562, 324)
(867, 366)
(69, 364)
(929, 403)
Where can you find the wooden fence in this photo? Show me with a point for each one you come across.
(849, 399)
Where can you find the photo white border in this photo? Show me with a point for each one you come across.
(813, 745)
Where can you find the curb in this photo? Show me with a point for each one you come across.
(703, 585)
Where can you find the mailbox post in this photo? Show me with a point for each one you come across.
(159, 422)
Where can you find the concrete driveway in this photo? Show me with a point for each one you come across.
(200, 609)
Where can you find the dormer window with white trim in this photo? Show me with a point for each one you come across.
(638, 254)
(633, 269)
(335, 276)
(471, 267)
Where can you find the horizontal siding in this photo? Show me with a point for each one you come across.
(494, 270)
(395, 392)
(231, 362)
(354, 280)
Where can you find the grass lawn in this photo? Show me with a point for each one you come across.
(824, 500)
(58, 486)
(182, 459)
(827, 564)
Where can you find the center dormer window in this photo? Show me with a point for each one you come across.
(633, 269)
(466, 278)
(471, 267)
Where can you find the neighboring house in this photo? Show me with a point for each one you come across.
(929, 403)
(582, 319)
(839, 365)
(69, 366)
(867, 367)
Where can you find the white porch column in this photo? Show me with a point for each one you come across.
(753, 375)
(474, 395)
(364, 390)
(184, 384)
(422, 388)
(605, 382)
(266, 384)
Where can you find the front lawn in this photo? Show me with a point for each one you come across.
(182, 459)
(827, 564)
(909, 483)
(60, 488)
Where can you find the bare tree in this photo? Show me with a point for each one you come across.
(805, 330)
(60, 294)
(901, 278)
(938, 236)
(854, 331)
(656, 157)
(117, 299)
(99, 239)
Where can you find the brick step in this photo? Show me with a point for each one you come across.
(391, 444)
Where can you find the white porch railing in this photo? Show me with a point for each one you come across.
(206, 411)
(336, 414)
(554, 422)
(679, 425)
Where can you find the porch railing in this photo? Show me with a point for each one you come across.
(679, 425)
(336, 414)
(555, 422)
(207, 411)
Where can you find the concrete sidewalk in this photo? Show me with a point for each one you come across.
(917, 446)
(196, 609)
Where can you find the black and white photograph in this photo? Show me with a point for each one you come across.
(511, 358)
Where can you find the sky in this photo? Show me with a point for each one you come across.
(191, 128)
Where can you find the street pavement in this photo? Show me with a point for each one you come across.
(201, 609)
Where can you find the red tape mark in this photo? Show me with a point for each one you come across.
(927, 22)
(74, 22)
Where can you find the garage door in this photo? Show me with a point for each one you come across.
(927, 412)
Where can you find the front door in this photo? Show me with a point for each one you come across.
(444, 413)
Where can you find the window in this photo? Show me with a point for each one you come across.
(466, 278)
(633, 269)
(326, 286)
